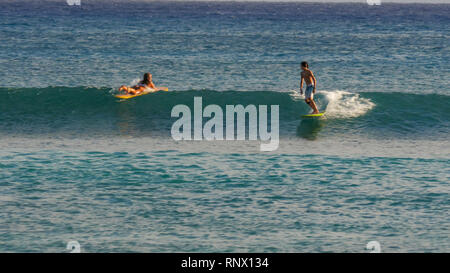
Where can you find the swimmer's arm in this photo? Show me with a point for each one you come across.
(152, 85)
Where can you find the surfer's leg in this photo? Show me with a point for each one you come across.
(309, 102)
(314, 106)
(309, 95)
(127, 89)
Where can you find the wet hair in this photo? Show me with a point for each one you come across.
(305, 64)
(147, 79)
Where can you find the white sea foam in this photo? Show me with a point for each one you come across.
(342, 104)
(295, 95)
(339, 103)
(135, 81)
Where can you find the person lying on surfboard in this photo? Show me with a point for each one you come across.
(140, 87)
(310, 80)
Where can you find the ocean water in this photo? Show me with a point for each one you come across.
(78, 164)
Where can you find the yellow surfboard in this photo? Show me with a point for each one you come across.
(129, 96)
(313, 115)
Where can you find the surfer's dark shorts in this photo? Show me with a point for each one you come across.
(309, 92)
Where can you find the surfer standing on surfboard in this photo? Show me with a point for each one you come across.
(308, 77)
(141, 86)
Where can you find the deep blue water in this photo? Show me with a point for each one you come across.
(76, 163)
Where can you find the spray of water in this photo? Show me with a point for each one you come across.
(342, 104)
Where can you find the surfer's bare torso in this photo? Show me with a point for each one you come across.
(308, 77)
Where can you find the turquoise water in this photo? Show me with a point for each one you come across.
(203, 201)
(78, 164)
